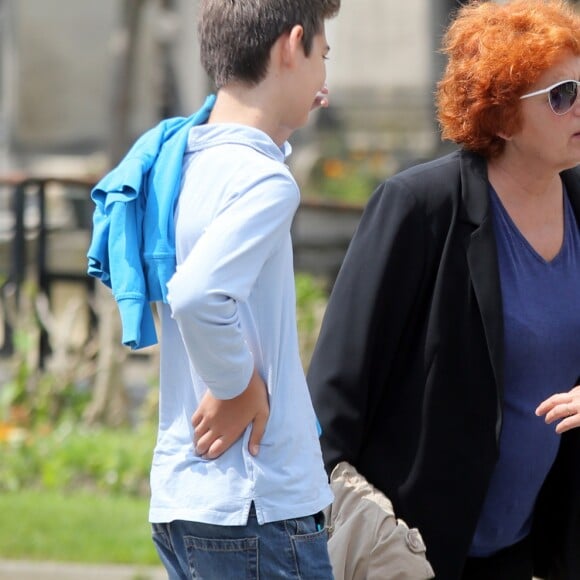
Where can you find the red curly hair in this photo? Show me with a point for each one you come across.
(495, 53)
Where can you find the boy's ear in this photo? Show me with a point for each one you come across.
(291, 45)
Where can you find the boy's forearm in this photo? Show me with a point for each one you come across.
(210, 329)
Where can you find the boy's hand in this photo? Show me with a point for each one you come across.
(218, 423)
(564, 406)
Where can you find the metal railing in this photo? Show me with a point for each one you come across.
(321, 232)
(29, 236)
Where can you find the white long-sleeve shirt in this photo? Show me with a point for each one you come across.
(232, 308)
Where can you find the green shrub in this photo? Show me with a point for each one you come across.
(348, 176)
(115, 461)
(53, 450)
(311, 298)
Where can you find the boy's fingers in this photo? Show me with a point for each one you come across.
(258, 428)
(217, 448)
(196, 418)
(203, 443)
(199, 433)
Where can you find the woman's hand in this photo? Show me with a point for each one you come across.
(218, 424)
(562, 407)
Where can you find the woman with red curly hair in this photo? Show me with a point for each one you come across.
(448, 363)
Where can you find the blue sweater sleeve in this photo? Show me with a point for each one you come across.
(129, 289)
(132, 247)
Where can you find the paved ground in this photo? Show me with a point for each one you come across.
(20, 570)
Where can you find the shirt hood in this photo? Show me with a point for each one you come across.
(205, 136)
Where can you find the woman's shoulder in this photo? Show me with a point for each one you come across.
(439, 171)
(425, 185)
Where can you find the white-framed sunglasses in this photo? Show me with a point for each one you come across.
(561, 95)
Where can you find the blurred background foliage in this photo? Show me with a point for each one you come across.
(45, 440)
(78, 487)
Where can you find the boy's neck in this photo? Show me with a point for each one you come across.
(252, 106)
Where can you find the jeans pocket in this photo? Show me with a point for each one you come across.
(309, 540)
(222, 559)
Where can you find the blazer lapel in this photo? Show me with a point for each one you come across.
(482, 261)
(571, 179)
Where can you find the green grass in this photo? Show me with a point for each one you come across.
(76, 527)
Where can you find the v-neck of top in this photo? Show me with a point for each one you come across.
(503, 215)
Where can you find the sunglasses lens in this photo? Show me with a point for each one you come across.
(563, 97)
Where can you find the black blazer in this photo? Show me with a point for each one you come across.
(407, 374)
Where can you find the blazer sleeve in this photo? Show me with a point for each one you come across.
(369, 310)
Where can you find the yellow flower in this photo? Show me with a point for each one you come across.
(333, 168)
(11, 434)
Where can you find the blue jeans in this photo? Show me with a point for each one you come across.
(294, 549)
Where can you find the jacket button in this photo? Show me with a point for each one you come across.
(415, 541)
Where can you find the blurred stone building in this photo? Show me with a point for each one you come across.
(81, 79)
(59, 73)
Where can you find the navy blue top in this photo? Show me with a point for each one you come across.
(541, 309)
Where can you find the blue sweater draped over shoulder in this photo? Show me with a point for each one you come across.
(132, 249)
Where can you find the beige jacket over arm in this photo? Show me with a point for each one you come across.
(367, 541)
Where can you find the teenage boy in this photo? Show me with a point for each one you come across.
(238, 481)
